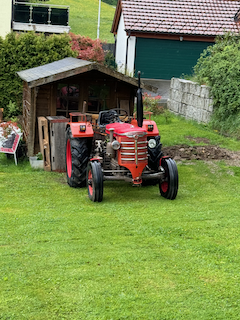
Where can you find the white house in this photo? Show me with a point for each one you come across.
(26, 16)
(5, 17)
(164, 38)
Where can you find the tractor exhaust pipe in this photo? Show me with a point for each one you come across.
(139, 102)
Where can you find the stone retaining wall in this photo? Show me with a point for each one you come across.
(190, 100)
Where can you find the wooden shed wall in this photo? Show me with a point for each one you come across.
(42, 100)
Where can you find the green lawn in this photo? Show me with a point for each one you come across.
(136, 255)
(83, 18)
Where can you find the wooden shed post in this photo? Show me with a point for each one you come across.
(32, 122)
(1, 114)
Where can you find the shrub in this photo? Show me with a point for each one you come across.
(23, 51)
(86, 48)
(12, 110)
(218, 67)
(109, 61)
(151, 104)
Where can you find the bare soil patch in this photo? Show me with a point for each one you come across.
(205, 152)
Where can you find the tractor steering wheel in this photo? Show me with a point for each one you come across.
(121, 113)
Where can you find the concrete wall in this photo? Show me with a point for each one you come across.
(5, 17)
(190, 100)
(121, 49)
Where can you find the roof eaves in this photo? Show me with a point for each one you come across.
(116, 18)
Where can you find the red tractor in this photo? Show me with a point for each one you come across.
(117, 147)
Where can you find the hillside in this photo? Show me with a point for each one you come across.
(84, 17)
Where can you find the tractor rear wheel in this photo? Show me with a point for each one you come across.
(77, 156)
(95, 181)
(168, 186)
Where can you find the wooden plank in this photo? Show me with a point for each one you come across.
(44, 142)
(53, 99)
(30, 127)
(57, 129)
(34, 106)
(1, 114)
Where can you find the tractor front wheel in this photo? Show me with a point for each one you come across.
(77, 157)
(95, 181)
(168, 186)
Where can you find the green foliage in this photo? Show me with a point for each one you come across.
(39, 156)
(23, 51)
(167, 115)
(218, 67)
(11, 110)
(152, 104)
(109, 61)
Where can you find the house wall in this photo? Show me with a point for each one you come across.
(121, 50)
(190, 100)
(164, 59)
(5, 17)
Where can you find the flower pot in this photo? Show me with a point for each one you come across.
(35, 163)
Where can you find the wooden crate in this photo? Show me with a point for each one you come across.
(57, 129)
(44, 142)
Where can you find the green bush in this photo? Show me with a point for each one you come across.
(109, 61)
(23, 51)
(218, 67)
(152, 104)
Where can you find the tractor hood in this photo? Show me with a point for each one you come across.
(125, 129)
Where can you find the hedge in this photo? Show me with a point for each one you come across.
(23, 51)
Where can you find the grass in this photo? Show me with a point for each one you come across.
(83, 18)
(179, 131)
(133, 256)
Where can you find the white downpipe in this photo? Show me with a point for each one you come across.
(99, 13)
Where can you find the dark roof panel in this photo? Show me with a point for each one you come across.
(52, 69)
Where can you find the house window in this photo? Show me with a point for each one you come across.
(67, 99)
(98, 98)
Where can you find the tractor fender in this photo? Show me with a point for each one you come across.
(164, 157)
(149, 125)
(81, 129)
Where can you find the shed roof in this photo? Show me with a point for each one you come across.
(68, 67)
(182, 17)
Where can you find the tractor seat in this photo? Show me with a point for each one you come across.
(106, 117)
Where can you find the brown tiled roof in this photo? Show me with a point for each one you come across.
(182, 17)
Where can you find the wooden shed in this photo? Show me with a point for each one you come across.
(61, 87)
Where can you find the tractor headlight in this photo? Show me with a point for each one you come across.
(152, 143)
(115, 145)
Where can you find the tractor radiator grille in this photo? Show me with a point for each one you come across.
(133, 150)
